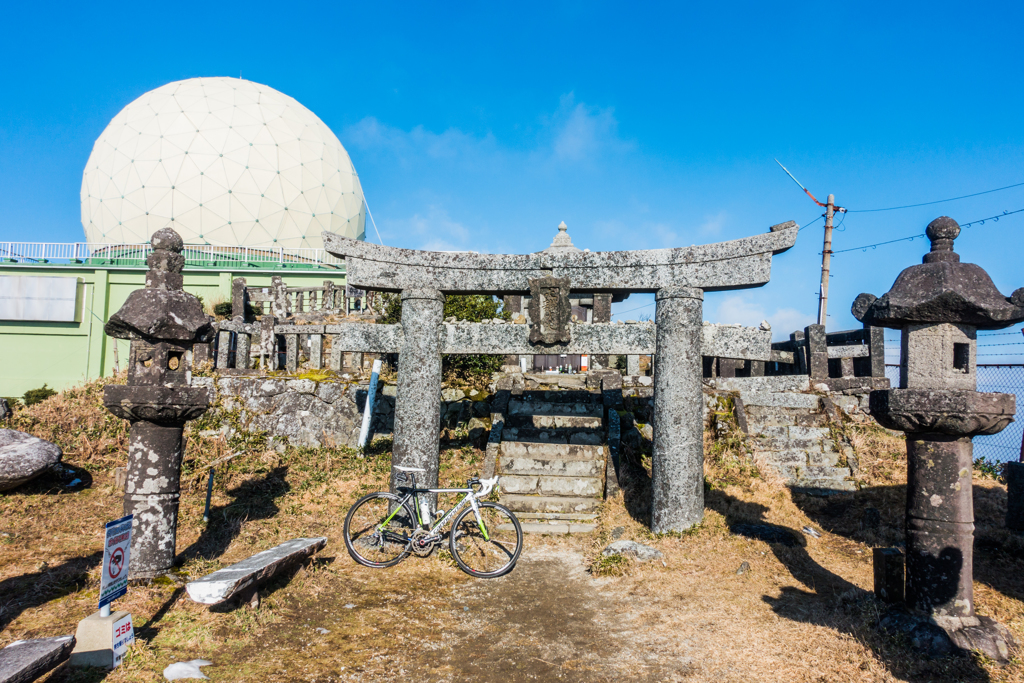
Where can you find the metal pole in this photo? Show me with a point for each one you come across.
(209, 495)
(826, 257)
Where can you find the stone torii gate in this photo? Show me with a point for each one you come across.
(678, 278)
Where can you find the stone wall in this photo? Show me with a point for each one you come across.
(304, 412)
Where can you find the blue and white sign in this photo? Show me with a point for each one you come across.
(116, 547)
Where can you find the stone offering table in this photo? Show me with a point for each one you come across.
(677, 277)
(939, 305)
(163, 323)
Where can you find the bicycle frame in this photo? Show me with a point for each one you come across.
(470, 497)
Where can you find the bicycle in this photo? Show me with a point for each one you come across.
(382, 528)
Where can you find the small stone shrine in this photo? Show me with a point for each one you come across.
(163, 323)
(939, 305)
(677, 277)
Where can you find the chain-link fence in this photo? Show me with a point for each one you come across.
(1006, 379)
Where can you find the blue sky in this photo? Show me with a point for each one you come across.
(482, 125)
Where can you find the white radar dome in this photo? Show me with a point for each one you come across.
(225, 162)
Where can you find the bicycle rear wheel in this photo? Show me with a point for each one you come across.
(374, 536)
(490, 549)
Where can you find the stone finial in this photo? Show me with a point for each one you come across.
(562, 241)
(942, 231)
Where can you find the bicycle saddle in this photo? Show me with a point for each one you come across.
(409, 469)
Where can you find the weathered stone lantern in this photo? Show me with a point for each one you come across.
(939, 305)
(163, 322)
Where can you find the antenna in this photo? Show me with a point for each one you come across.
(826, 252)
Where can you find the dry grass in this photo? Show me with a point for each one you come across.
(803, 611)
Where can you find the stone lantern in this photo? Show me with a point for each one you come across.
(939, 305)
(163, 322)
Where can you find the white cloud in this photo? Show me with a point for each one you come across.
(434, 230)
(582, 132)
(739, 308)
(713, 225)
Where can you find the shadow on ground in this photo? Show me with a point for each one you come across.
(20, 593)
(829, 600)
(254, 499)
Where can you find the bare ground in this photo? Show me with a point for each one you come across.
(802, 611)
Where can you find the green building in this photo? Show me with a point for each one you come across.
(55, 299)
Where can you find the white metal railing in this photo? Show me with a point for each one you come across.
(135, 254)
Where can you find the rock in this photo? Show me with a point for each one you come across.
(452, 394)
(188, 669)
(647, 432)
(744, 568)
(617, 532)
(481, 409)
(478, 429)
(27, 660)
(5, 409)
(23, 457)
(641, 552)
(821, 388)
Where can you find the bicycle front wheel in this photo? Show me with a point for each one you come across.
(489, 548)
(374, 536)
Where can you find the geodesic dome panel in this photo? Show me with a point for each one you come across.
(225, 162)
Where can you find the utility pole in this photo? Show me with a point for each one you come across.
(826, 258)
(826, 253)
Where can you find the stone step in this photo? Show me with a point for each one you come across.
(535, 435)
(824, 485)
(560, 528)
(564, 408)
(782, 400)
(798, 432)
(525, 503)
(761, 385)
(548, 485)
(787, 458)
(823, 459)
(551, 451)
(562, 397)
(815, 445)
(556, 421)
(823, 472)
(557, 468)
(558, 516)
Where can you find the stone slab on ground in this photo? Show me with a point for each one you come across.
(26, 660)
(638, 551)
(224, 583)
(24, 457)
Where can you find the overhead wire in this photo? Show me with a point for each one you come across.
(937, 201)
(911, 238)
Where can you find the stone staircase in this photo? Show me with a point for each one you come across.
(789, 433)
(552, 460)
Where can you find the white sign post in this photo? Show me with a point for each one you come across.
(371, 395)
(103, 637)
(116, 549)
